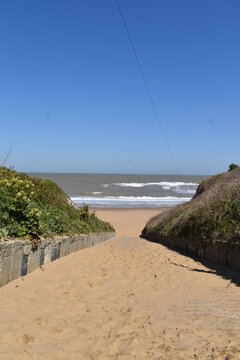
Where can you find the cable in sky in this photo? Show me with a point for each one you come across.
(147, 88)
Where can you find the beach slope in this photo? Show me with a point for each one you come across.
(124, 299)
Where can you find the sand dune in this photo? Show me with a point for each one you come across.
(124, 299)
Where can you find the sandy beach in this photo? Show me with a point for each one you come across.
(124, 299)
(127, 222)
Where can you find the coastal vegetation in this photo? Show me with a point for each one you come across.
(213, 215)
(31, 208)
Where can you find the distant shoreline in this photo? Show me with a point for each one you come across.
(131, 209)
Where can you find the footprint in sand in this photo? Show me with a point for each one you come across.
(57, 331)
(127, 294)
(104, 272)
(124, 310)
(27, 339)
(41, 321)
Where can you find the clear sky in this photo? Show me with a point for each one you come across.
(72, 98)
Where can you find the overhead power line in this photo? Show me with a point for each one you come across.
(147, 88)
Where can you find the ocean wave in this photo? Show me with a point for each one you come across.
(96, 192)
(130, 184)
(164, 184)
(129, 201)
(185, 191)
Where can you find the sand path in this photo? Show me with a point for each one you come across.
(124, 299)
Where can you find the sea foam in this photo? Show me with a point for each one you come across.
(163, 184)
(129, 201)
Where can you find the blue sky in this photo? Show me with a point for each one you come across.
(72, 98)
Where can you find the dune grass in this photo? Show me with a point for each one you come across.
(213, 214)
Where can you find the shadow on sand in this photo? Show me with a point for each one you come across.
(214, 269)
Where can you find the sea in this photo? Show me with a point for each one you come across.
(124, 190)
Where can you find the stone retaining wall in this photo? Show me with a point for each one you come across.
(19, 258)
(220, 252)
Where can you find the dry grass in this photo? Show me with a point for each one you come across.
(213, 214)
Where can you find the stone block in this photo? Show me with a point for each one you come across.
(73, 246)
(55, 251)
(88, 240)
(2, 255)
(47, 254)
(42, 254)
(6, 250)
(234, 257)
(65, 247)
(78, 244)
(27, 249)
(33, 261)
(201, 253)
(83, 242)
(24, 267)
(5, 270)
(16, 264)
(211, 253)
(193, 249)
(97, 240)
(43, 244)
(222, 253)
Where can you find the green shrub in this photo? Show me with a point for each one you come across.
(232, 167)
(31, 207)
(19, 215)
